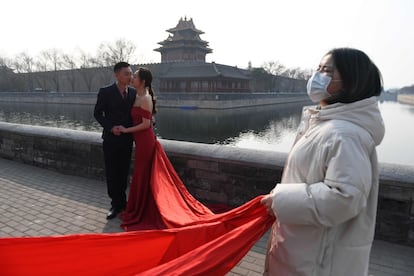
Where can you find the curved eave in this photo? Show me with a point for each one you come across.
(166, 42)
(163, 49)
(174, 30)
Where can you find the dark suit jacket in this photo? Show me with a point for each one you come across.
(111, 110)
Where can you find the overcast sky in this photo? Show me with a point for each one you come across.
(297, 33)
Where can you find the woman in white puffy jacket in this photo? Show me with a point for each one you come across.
(326, 202)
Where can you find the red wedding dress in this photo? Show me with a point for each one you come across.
(196, 241)
(141, 212)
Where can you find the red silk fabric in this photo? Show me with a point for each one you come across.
(198, 242)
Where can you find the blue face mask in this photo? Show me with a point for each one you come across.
(317, 85)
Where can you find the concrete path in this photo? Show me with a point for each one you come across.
(37, 202)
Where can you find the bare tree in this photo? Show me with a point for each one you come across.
(290, 72)
(70, 63)
(87, 68)
(41, 77)
(5, 62)
(24, 64)
(52, 61)
(120, 50)
(274, 67)
(305, 74)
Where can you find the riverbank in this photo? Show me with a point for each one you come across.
(406, 99)
(171, 100)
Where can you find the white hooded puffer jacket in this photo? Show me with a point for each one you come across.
(326, 202)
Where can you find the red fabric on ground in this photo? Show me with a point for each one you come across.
(198, 242)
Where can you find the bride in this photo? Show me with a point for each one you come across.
(141, 211)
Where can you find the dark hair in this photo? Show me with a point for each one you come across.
(120, 65)
(145, 75)
(361, 78)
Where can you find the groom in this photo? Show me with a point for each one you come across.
(113, 109)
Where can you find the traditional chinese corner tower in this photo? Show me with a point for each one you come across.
(184, 44)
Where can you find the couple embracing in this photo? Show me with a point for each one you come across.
(126, 115)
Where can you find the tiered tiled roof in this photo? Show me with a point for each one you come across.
(184, 36)
(185, 25)
(186, 70)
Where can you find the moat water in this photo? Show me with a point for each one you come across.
(270, 128)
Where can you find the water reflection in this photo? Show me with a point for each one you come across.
(221, 126)
(205, 126)
(398, 144)
(78, 117)
(278, 135)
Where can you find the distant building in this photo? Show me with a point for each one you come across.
(183, 56)
(184, 44)
(203, 77)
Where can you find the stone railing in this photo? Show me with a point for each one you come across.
(212, 173)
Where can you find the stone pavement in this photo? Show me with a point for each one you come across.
(38, 202)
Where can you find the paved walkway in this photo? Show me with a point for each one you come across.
(36, 202)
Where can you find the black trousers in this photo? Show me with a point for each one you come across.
(117, 154)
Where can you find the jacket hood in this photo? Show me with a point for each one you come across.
(364, 113)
